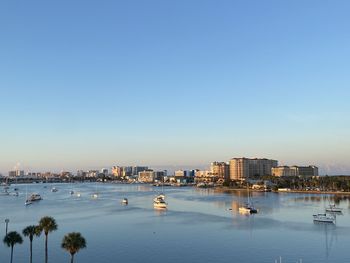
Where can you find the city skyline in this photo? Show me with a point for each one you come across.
(89, 85)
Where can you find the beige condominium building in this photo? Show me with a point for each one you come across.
(242, 168)
(295, 171)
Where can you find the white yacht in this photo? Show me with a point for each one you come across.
(34, 197)
(333, 209)
(248, 208)
(125, 201)
(159, 202)
(324, 218)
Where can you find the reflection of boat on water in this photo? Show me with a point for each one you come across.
(324, 218)
(333, 209)
(159, 202)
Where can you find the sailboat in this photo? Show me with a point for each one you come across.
(248, 208)
(95, 195)
(28, 201)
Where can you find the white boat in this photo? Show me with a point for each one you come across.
(248, 208)
(159, 202)
(334, 209)
(125, 201)
(28, 202)
(78, 194)
(34, 197)
(324, 218)
(54, 189)
(94, 196)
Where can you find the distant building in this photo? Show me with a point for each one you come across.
(137, 169)
(239, 168)
(16, 173)
(295, 171)
(159, 175)
(104, 171)
(12, 173)
(243, 168)
(221, 170)
(147, 176)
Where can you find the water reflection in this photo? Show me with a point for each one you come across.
(329, 236)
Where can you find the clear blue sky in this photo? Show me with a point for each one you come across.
(87, 84)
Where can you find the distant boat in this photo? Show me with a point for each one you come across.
(248, 208)
(94, 196)
(125, 201)
(333, 209)
(54, 189)
(33, 198)
(159, 202)
(71, 192)
(324, 218)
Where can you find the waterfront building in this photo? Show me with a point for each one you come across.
(147, 176)
(205, 177)
(221, 170)
(294, 171)
(243, 168)
(137, 169)
(12, 173)
(239, 168)
(16, 173)
(160, 175)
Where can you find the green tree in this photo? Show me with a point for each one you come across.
(47, 224)
(72, 243)
(11, 239)
(31, 231)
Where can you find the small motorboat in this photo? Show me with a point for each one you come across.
(159, 202)
(334, 209)
(125, 201)
(54, 189)
(324, 218)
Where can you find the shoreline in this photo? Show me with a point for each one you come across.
(312, 192)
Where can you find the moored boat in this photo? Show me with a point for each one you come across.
(34, 197)
(159, 202)
(324, 218)
(125, 201)
(334, 209)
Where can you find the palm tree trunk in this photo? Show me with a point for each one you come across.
(11, 254)
(46, 254)
(72, 258)
(31, 251)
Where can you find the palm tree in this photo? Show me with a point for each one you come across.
(73, 242)
(47, 224)
(11, 239)
(31, 231)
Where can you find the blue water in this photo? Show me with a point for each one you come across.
(201, 225)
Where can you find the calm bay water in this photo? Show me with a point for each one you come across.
(201, 225)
